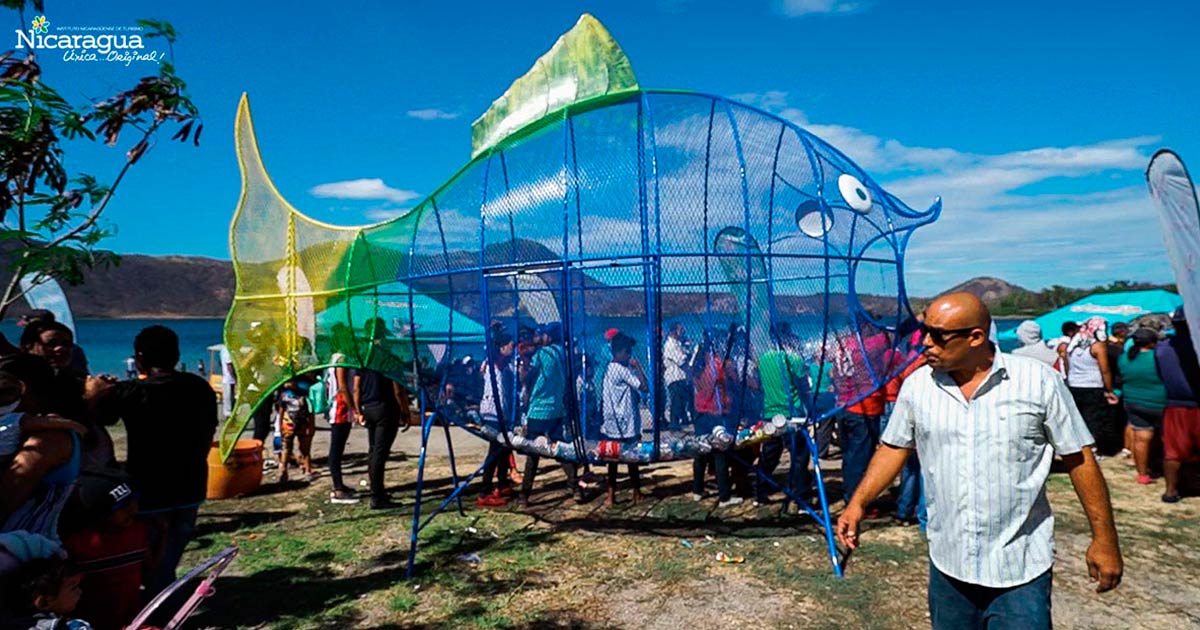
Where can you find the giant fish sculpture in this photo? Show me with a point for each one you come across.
(592, 208)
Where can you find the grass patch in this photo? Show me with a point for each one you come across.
(307, 565)
(404, 602)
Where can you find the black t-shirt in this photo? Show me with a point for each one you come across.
(375, 388)
(66, 400)
(169, 420)
(1114, 356)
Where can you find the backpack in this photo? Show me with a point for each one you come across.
(318, 397)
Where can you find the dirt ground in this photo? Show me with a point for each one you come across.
(306, 563)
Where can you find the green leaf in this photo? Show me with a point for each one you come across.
(9, 235)
(158, 28)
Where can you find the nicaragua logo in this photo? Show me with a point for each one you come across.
(86, 43)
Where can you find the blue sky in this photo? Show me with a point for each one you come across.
(1034, 121)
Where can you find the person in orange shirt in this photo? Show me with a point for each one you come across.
(859, 421)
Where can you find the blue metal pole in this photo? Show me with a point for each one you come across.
(456, 494)
(426, 423)
(453, 467)
(824, 518)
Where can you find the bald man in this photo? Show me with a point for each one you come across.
(987, 426)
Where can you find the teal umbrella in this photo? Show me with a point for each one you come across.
(1115, 307)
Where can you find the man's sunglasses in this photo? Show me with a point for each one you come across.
(942, 336)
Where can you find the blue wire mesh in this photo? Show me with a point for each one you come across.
(638, 214)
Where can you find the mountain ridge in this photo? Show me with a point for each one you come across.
(178, 286)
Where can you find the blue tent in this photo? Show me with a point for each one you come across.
(1115, 307)
(435, 322)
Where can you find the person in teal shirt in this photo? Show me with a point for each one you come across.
(546, 412)
(548, 378)
(1145, 397)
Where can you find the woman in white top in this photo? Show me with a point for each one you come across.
(1090, 380)
(623, 380)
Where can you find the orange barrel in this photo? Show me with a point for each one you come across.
(240, 474)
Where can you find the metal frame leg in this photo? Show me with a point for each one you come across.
(426, 424)
(455, 494)
(453, 466)
(823, 518)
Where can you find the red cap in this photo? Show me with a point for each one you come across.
(610, 333)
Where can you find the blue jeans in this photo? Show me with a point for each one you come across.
(680, 393)
(799, 479)
(172, 530)
(705, 424)
(910, 503)
(922, 515)
(956, 605)
(860, 436)
(551, 428)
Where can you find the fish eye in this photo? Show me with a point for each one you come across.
(855, 193)
(813, 220)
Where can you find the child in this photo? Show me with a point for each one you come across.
(296, 424)
(15, 426)
(495, 409)
(41, 594)
(589, 400)
(33, 499)
(712, 404)
(109, 545)
(622, 380)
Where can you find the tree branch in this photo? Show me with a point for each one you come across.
(94, 215)
(13, 283)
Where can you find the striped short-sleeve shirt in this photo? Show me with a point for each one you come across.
(984, 463)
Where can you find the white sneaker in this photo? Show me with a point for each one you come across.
(732, 501)
(343, 497)
(270, 464)
(697, 497)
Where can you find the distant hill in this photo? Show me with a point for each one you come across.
(993, 291)
(1008, 300)
(189, 286)
(153, 287)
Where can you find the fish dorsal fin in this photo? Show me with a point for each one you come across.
(584, 63)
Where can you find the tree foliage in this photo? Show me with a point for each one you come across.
(1054, 297)
(50, 217)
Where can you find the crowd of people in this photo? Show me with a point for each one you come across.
(1136, 388)
(85, 536)
(87, 540)
(716, 390)
(988, 427)
(1118, 379)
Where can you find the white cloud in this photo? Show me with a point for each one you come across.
(365, 189)
(385, 214)
(528, 195)
(800, 8)
(431, 114)
(991, 226)
(867, 150)
(1079, 240)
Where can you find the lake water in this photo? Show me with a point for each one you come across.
(108, 342)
